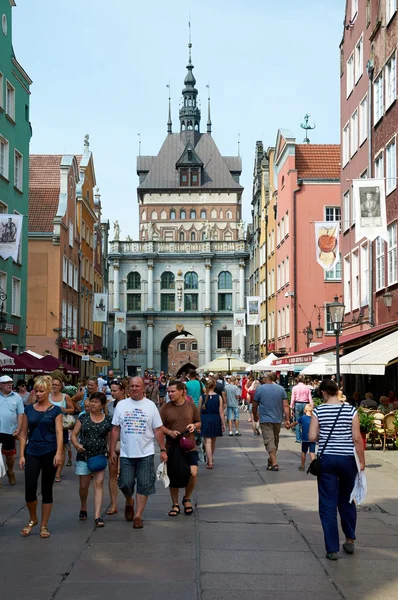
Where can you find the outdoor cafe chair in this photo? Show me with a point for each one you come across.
(390, 429)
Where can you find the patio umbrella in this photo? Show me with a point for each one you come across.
(22, 364)
(320, 366)
(226, 363)
(262, 365)
(51, 363)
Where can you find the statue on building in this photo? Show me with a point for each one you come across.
(208, 230)
(241, 230)
(150, 231)
(129, 239)
(116, 231)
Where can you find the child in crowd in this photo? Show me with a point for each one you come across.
(306, 445)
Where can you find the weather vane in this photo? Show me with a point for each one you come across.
(307, 128)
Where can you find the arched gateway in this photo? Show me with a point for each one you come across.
(164, 351)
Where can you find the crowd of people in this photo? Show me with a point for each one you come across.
(114, 424)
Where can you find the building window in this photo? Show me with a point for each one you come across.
(391, 167)
(378, 98)
(363, 120)
(10, 101)
(195, 178)
(358, 59)
(332, 213)
(167, 281)
(354, 9)
(4, 150)
(18, 166)
(183, 214)
(354, 133)
(391, 81)
(193, 214)
(224, 339)
(1, 90)
(193, 236)
(65, 270)
(355, 280)
(134, 281)
(191, 280)
(346, 145)
(133, 302)
(225, 280)
(350, 75)
(3, 208)
(202, 214)
(191, 302)
(71, 236)
(172, 215)
(392, 253)
(194, 346)
(76, 279)
(347, 284)
(379, 263)
(379, 166)
(184, 177)
(181, 347)
(167, 302)
(16, 297)
(134, 339)
(335, 273)
(70, 274)
(364, 275)
(224, 301)
(346, 210)
(391, 8)
(181, 236)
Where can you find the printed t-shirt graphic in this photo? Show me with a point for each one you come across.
(137, 420)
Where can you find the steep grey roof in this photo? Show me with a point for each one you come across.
(144, 163)
(234, 163)
(163, 174)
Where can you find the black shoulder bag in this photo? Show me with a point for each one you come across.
(315, 467)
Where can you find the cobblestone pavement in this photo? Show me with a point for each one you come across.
(254, 532)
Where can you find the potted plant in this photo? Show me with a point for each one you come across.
(366, 423)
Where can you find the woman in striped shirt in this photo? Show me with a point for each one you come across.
(339, 469)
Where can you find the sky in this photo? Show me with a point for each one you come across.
(102, 68)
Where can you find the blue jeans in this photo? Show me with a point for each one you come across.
(298, 412)
(335, 484)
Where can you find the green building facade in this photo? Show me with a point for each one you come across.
(15, 134)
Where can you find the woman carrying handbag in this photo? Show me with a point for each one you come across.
(336, 427)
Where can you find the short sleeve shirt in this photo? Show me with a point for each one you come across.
(137, 420)
(10, 407)
(177, 418)
(232, 392)
(93, 436)
(270, 397)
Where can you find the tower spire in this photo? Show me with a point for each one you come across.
(190, 111)
(208, 110)
(169, 122)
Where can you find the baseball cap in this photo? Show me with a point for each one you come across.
(6, 379)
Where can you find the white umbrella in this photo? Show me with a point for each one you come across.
(226, 363)
(262, 365)
(320, 366)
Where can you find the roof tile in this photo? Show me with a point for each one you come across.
(318, 161)
(44, 184)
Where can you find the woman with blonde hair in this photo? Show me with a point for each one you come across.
(43, 454)
(211, 409)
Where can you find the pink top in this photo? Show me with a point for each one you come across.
(301, 393)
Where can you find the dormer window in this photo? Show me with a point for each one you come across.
(184, 177)
(194, 177)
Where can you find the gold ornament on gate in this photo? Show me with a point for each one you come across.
(180, 328)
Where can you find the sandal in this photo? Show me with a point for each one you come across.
(44, 533)
(175, 510)
(69, 463)
(57, 480)
(99, 522)
(83, 515)
(188, 510)
(209, 466)
(112, 510)
(28, 529)
(273, 468)
(301, 468)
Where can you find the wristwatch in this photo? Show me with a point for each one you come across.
(163, 449)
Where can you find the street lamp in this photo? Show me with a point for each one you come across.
(228, 352)
(309, 333)
(125, 352)
(3, 321)
(388, 297)
(319, 329)
(336, 311)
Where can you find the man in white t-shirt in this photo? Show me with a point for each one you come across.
(138, 423)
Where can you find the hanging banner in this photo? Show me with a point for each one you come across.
(239, 324)
(100, 312)
(327, 243)
(120, 322)
(10, 235)
(369, 200)
(253, 310)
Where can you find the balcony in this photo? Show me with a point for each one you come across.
(162, 247)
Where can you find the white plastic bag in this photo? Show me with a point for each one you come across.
(361, 486)
(161, 474)
(2, 466)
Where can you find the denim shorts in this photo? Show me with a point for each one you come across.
(232, 413)
(82, 468)
(141, 470)
(308, 446)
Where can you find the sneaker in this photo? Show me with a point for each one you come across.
(332, 556)
(255, 435)
(230, 434)
(349, 547)
(237, 433)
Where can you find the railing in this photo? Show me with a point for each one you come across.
(161, 247)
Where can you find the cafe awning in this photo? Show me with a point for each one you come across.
(373, 358)
(96, 360)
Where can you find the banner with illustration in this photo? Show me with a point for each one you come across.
(369, 201)
(253, 310)
(10, 235)
(100, 313)
(239, 324)
(327, 243)
(120, 322)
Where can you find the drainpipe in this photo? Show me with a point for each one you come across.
(370, 70)
(295, 303)
(266, 282)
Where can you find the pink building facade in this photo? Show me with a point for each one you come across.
(308, 190)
